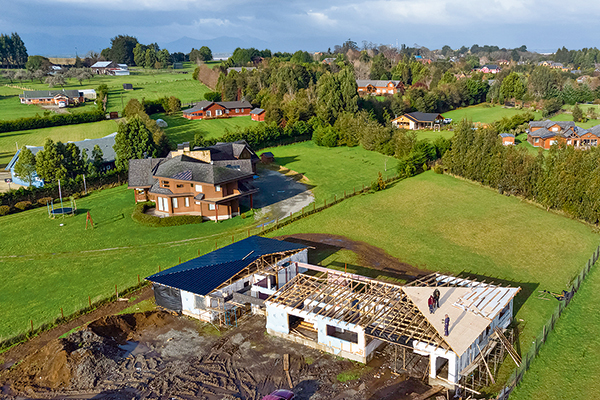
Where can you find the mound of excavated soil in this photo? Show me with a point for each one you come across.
(84, 357)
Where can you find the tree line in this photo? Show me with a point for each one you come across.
(564, 179)
(13, 53)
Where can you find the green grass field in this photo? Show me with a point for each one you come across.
(331, 170)
(484, 113)
(48, 266)
(568, 364)
(441, 223)
(431, 135)
(37, 137)
(11, 107)
(568, 117)
(183, 130)
(149, 84)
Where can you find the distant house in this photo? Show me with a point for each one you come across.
(267, 157)
(222, 109)
(553, 65)
(258, 114)
(490, 69)
(503, 62)
(240, 69)
(109, 68)
(418, 120)
(379, 87)
(508, 139)
(54, 97)
(546, 133)
(106, 145)
(202, 181)
(177, 65)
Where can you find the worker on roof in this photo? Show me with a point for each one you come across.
(446, 321)
(436, 297)
(431, 304)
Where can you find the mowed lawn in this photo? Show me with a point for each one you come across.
(183, 130)
(441, 223)
(484, 113)
(11, 107)
(331, 170)
(65, 133)
(568, 364)
(47, 266)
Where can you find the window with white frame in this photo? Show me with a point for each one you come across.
(211, 207)
(219, 112)
(199, 188)
(187, 201)
(237, 110)
(208, 113)
(175, 205)
(218, 188)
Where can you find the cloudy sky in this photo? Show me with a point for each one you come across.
(57, 27)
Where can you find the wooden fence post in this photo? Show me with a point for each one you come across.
(198, 252)
(90, 301)
(232, 238)
(334, 198)
(116, 292)
(62, 314)
(248, 232)
(344, 194)
(325, 202)
(31, 324)
(159, 268)
(138, 279)
(179, 260)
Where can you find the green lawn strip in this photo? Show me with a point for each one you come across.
(568, 365)
(521, 141)
(333, 170)
(64, 335)
(568, 117)
(432, 135)
(440, 223)
(65, 133)
(183, 130)
(484, 113)
(11, 107)
(142, 306)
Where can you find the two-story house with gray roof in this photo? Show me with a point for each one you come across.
(546, 133)
(189, 182)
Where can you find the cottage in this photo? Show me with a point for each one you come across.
(258, 114)
(222, 109)
(508, 139)
(379, 87)
(352, 315)
(267, 157)
(106, 145)
(218, 286)
(418, 120)
(207, 182)
(54, 97)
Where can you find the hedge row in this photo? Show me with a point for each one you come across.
(37, 122)
(139, 215)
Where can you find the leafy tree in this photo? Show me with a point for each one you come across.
(25, 165)
(72, 160)
(35, 63)
(78, 62)
(49, 162)
(205, 53)
(150, 58)
(97, 158)
(577, 113)
(139, 54)
(55, 80)
(512, 87)
(133, 141)
(23, 75)
(39, 75)
(164, 58)
(380, 67)
(121, 50)
(212, 96)
(9, 74)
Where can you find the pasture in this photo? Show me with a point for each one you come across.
(568, 364)
(183, 130)
(331, 170)
(440, 223)
(37, 137)
(484, 113)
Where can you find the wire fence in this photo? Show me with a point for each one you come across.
(517, 375)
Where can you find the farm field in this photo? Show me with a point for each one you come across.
(65, 133)
(568, 364)
(441, 223)
(331, 170)
(11, 107)
(149, 84)
(183, 130)
(484, 113)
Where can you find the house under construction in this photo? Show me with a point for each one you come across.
(351, 315)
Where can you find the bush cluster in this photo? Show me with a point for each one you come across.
(139, 215)
(37, 122)
(44, 200)
(4, 210)
(23, 205)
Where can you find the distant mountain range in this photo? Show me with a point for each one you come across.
(68, 46)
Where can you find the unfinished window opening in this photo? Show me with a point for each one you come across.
(441, 367)
(342, 334)
(503, 312)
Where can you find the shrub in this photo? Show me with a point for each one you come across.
(44, 200)
(437, 168)
(4, 210)
(139, 215)
(23, 205)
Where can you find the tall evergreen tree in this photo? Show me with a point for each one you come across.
(49, 162)
(133, 141)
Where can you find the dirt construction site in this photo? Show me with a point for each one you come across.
(161, 355)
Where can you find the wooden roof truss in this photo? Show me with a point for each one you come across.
(382, 309)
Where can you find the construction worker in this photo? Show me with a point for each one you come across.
(446, 321)
(436, 297)
(431, 304)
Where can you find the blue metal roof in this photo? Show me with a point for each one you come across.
(204, 274)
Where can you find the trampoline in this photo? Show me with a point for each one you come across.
(62, 211)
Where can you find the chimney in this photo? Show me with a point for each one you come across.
(186, 147)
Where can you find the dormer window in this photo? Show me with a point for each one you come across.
(165, 183)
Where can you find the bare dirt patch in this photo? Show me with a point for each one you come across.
(156, 355)
(369, 256)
